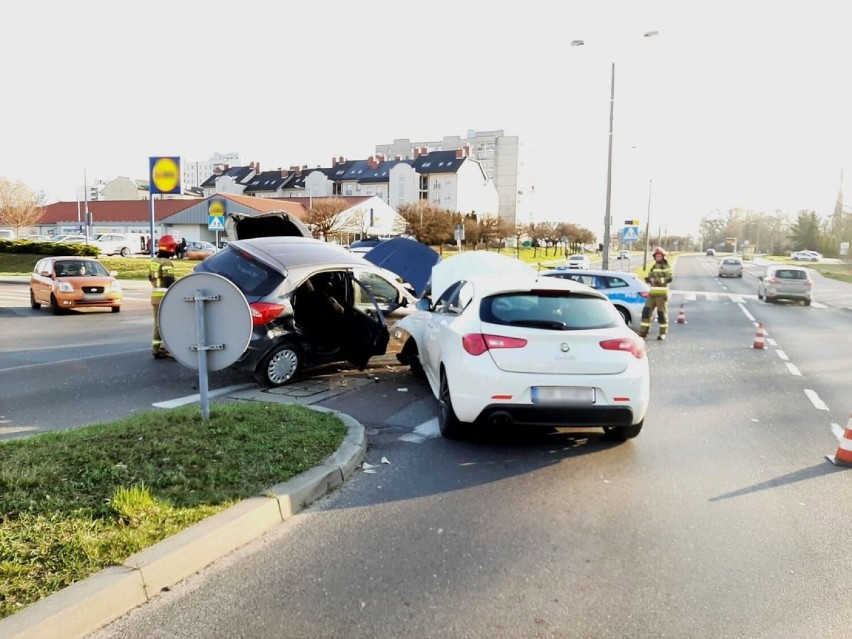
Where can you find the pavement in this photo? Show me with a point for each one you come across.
(90, 604)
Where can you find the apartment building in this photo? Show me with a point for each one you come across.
(501, 157)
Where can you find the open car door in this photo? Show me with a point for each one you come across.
(366, 333)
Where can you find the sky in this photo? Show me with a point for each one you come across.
(732, 105)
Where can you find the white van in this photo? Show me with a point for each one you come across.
(6, 234)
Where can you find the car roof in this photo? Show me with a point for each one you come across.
(297, 252)
(494, 284)
(592, 271)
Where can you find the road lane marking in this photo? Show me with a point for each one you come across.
(793, 370)
(815, 400)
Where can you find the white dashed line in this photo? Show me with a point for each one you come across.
(815, 400)
(782, 355)
(793, 370)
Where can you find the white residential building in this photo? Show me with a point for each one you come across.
(501, 157)
(193, 173)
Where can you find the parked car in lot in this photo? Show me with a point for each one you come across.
(627, 291)
(73, 282)
(579, 261)
(731, 267)
(124, 244)
(311, 303)
(74, 238)
(199, 249)
(7, 234)
(519, 349)
(38, 238)
(711, 251)
(781, 282)
(623, 254)
(806, 256)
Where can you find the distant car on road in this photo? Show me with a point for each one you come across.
(579, 261)
(623, 255)
(806, 256)
(627, 291)
(731, 267)
(711, 251)
(781, 282)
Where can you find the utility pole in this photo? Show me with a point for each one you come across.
(647, 226)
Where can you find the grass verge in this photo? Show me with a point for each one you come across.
(74, 502)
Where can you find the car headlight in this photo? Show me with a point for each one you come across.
(65, 287)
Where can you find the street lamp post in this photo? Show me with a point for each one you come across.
(607, 213)
(648, 226)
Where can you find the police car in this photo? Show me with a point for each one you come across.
(625, 290)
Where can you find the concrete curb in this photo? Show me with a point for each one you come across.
(90, 604)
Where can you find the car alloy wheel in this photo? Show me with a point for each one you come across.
(448, 423)
(281, 365)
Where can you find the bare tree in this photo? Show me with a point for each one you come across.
(19, 206)
(428, 223)
(324, 216)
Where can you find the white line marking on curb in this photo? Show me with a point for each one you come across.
(782, 355)
(793, 370)
(815, 400)
(191, 399)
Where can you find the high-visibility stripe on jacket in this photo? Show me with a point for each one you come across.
(659, 277)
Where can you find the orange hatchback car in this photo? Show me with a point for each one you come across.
(68, 282)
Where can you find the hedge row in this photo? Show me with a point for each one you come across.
(46, 248)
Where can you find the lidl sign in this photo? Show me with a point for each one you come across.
(165, 175)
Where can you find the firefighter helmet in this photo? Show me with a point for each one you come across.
(659, 251)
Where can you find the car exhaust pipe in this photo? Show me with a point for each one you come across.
(500, 419)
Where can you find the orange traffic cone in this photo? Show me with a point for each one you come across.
(681, 315)
(759, 339)
(843, 456)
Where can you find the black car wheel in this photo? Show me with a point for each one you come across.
(125, 252)
(622, 433)
(411, 356)
(55, 307)
(448, 423)
(280, 365)
(625, 314)
(33, 304)
(116, 309)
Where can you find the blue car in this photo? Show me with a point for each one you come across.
(625, 290)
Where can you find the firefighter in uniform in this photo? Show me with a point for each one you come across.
(161, 274)
(659, 277)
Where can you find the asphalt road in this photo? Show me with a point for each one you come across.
(722, 519)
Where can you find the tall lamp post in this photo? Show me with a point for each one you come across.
(647, 226)
(607, 212)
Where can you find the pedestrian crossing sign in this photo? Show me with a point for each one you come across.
(630, 234)
(215, 223)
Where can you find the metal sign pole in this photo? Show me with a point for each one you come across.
(202, 355)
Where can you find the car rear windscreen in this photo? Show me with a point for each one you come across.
(253, 278)
(549, 310)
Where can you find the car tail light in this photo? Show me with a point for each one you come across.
(643, 294)
(478, 343)
(774, 280)
(264, 312)
(632, 345)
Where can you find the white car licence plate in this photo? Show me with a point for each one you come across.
(562, 395)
